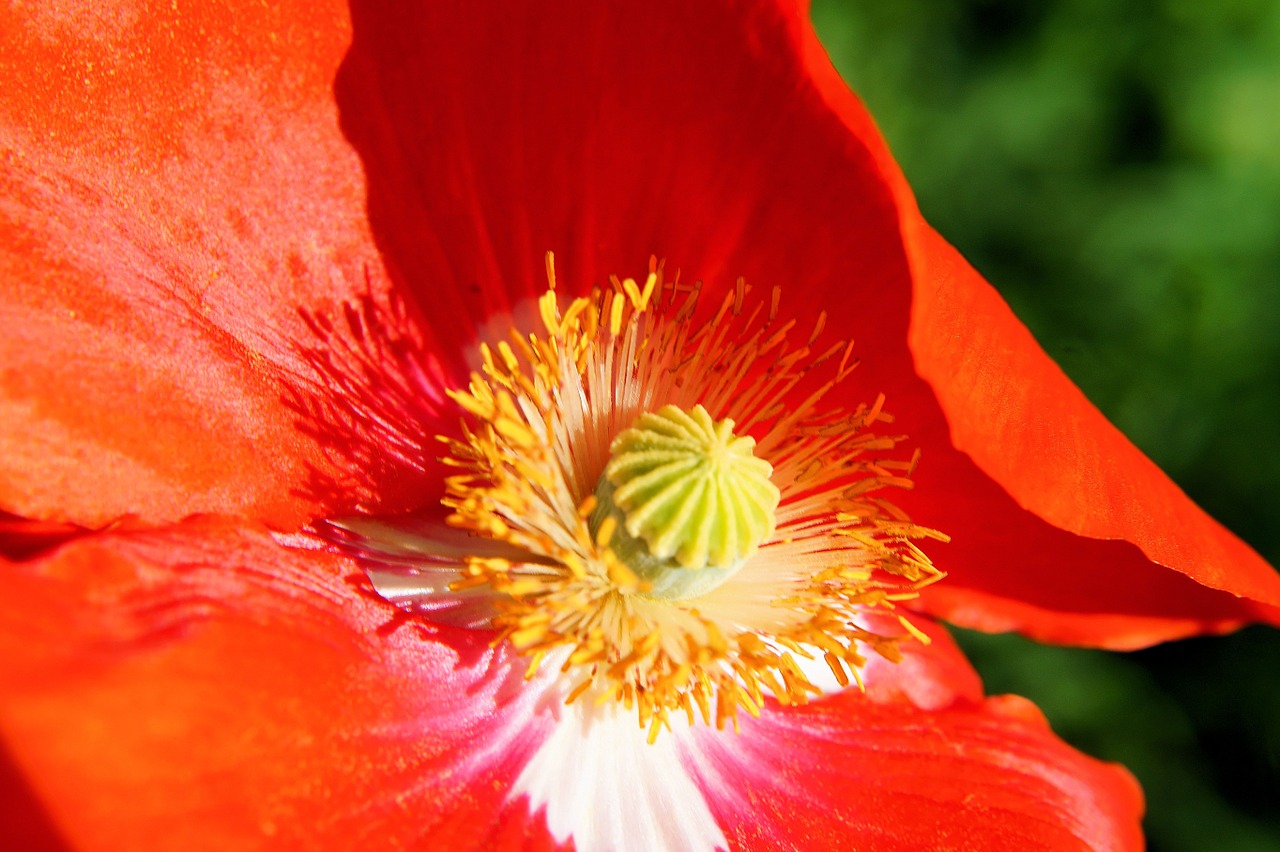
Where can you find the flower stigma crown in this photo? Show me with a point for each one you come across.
(690, 500)
(682, 527)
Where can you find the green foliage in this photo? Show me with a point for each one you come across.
(1114, 170)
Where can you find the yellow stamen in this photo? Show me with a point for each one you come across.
(797, 513)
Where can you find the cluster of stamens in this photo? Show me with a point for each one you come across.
(694, 525)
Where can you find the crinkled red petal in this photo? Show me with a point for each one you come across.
(24, 822)
(850, 773)
(201, 686)
(1035, 457)
(886, 770)
(176, 202)
(609, 134)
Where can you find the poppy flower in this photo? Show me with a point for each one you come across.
(257, 260)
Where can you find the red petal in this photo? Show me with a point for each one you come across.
(23, 539)
(878, 771)
(1036, 458)
(174, 188)
(719, 136)
(930, 676)
(203, 687)
(23, 822)
(606, 134)
(1022, 422)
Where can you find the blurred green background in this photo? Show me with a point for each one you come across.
(1114, 170)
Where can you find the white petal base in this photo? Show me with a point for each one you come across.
(605, 787)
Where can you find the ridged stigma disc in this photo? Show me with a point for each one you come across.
(691, 489)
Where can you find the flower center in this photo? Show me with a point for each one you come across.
(689, 498)
(658, 506)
